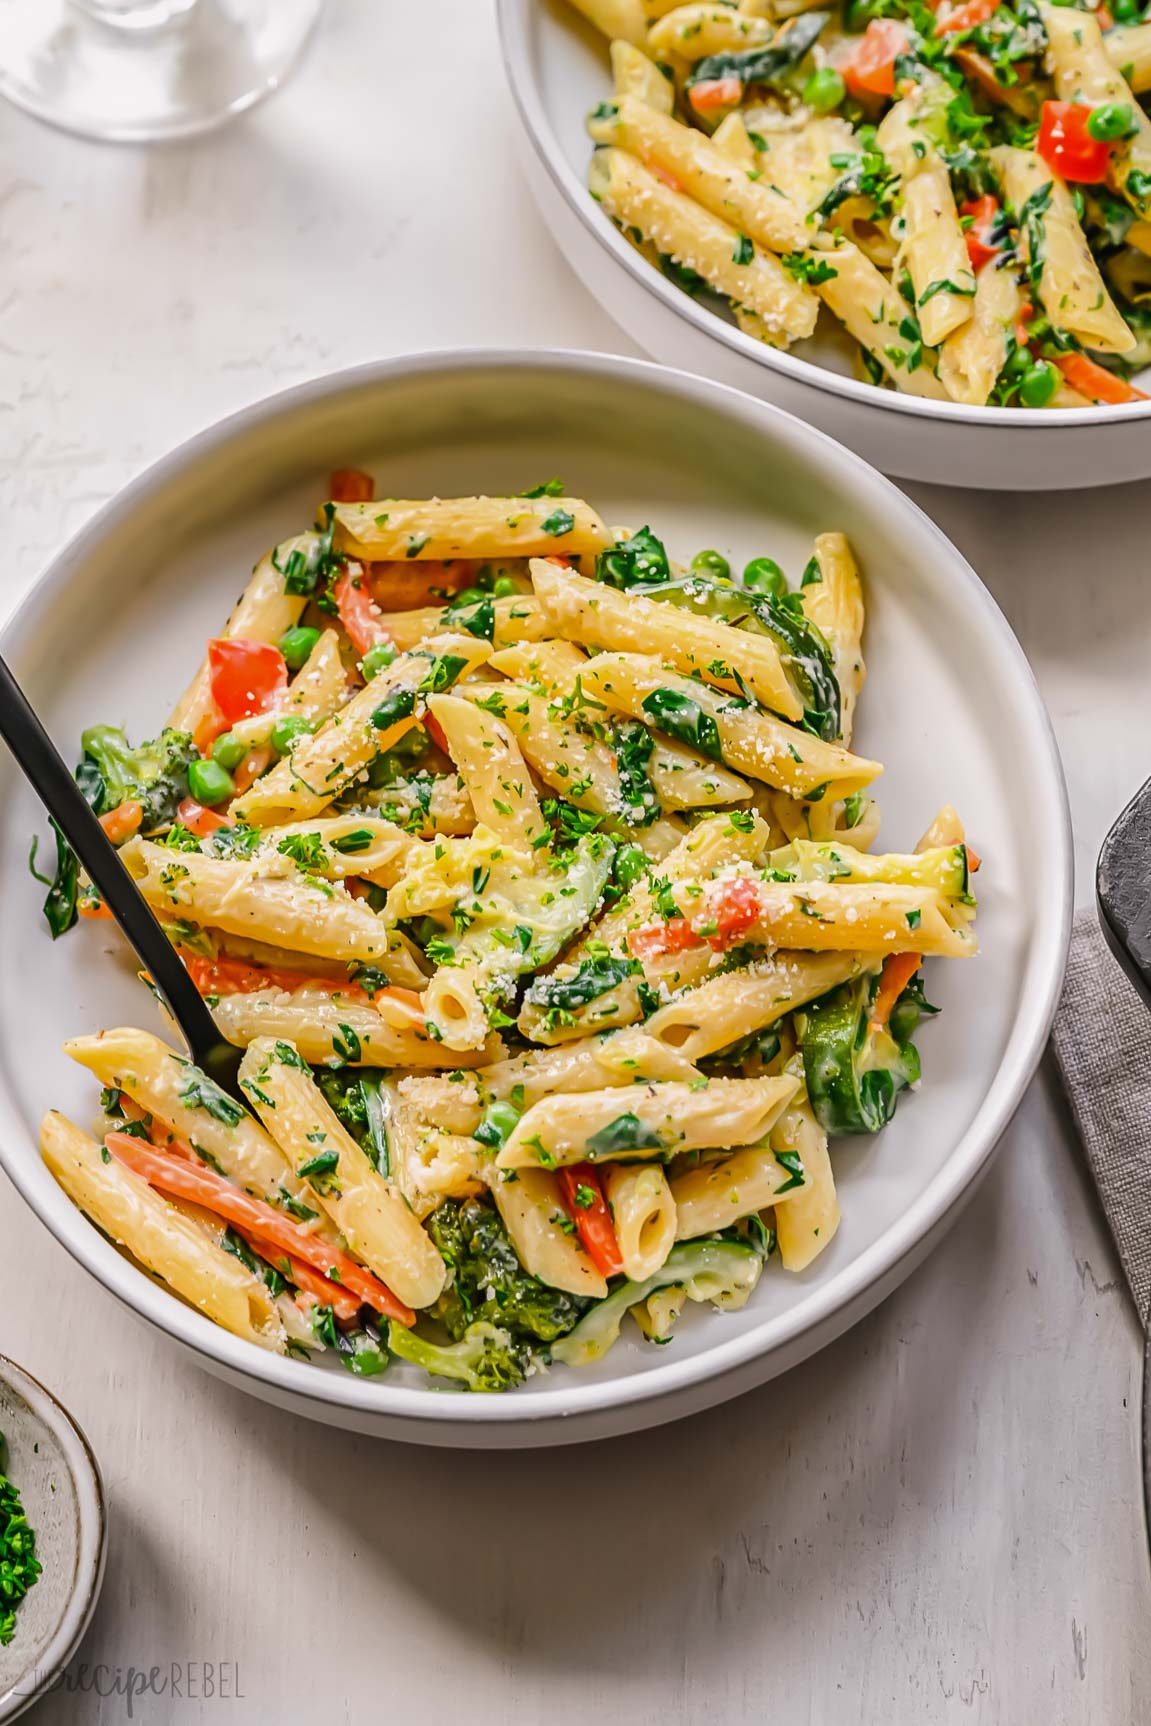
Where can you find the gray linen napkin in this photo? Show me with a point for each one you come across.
(1102, 1042)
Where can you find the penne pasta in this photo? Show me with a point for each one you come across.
(448, 528)
(373, 1219)
(738, 736)
(616, 817)
(751, 277)
(162, 1238)
(666, 1118)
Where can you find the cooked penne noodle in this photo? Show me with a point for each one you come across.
(533, 1214)
(447, 528)
(875, 313)
(1068, 279)
(972, 358)
(666, 1118)
(616, 18)
(727, 658)
(634, 73)
(268, 898)
(326, 1028)
(699, 241)
(492, 768)
(807, 1223)
(931, 246)
(703, 172)
(164, 1240)
(644, 1215)
(717, 1194)
(719, 1012)
(370, 1215)
(695, 30)
(833, 599)
(741, 737)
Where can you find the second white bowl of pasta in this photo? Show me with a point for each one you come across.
(925, 231)
(521, 822)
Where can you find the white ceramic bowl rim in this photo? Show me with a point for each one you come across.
(874, 1263)
(517, 59)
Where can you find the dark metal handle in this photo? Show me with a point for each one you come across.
(53, 783)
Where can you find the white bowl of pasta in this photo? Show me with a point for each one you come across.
(747, 208)
(549, 909)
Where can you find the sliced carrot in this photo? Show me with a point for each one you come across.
(736, 907)
(342, 1301)
(198, 1186)
(436, 732)
(406, 584)
(359, 613)
(898, 970)
(966, 17)
(1096, 382)
(224, 976)
(352, 485)
(974, 862)
(120, 823)
(871, 69)
(712, 93)
(199, 820)
(96, 911)
(592, 1218)
(344, 1304)
(660, 939)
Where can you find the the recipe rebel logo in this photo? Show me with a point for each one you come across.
(182, 1680)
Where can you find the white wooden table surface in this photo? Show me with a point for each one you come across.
(937, 1519)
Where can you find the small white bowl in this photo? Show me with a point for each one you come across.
(53, 1468)
(950, 708)
(557, 67)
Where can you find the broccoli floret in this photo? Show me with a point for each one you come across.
(487, 1279)
(155, 774)
(485, 1357)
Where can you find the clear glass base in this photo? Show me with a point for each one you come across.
(135, 70)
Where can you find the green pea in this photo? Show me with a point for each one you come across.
(228, 751)
(504, 588)
(824, 90)
(209, 783)
(296, 644)
(712, 563)
(1038, 385)
(1127, 12)
(1111, 121)
(1019, 363)
(286, 730)
(376, 658)
(497, 1123)
(763, 575)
